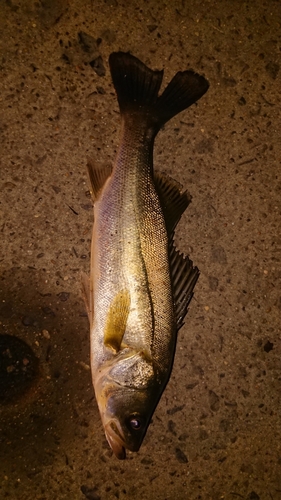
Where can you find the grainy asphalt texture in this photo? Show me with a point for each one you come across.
(216, 432)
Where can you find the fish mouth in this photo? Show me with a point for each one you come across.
(115, 438)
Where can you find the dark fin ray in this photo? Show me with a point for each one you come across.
(85, 288)
(97, 177)
(173, 201)
(184, 277)
(183, 90)
(137, 88)
(116, 320)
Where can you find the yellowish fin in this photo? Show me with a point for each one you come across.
(98, 175)
(117, 320)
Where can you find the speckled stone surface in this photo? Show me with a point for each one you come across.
(216, 432)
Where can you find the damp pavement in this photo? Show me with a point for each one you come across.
(216, 432)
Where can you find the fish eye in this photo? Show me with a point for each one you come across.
(135, 422)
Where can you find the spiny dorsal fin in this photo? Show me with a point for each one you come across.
(173, 202)
(116, 321)
(97, 176)
(184, 277)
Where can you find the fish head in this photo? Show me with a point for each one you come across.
(126, 419)
(127, 394)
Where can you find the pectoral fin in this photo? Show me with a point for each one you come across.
(116, 322)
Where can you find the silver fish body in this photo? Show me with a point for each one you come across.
(140, 285)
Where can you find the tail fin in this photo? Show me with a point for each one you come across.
(137, 88)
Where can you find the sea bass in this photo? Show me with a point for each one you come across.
(140, 284)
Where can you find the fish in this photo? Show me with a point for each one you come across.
(140, 284)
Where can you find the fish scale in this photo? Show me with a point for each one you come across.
(119, 198)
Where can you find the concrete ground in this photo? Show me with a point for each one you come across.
(216, 432)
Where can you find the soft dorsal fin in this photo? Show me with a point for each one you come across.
(184, 277)
(97, 176)
(173, 201)
(116, 320)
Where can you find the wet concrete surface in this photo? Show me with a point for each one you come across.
(216, 432)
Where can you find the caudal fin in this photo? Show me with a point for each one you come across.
(137, 88)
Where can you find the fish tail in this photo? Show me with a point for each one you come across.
(137, 88)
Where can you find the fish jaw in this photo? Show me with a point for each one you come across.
(118, 436)
(115, 438)
(104, 388)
